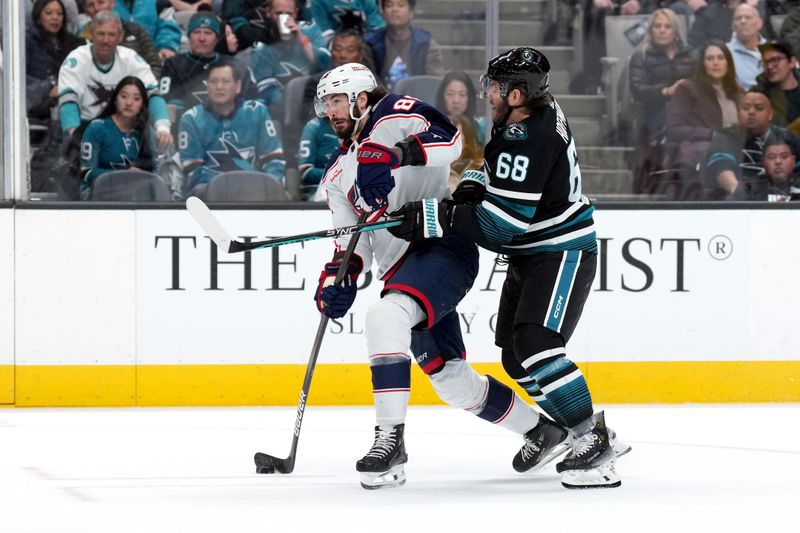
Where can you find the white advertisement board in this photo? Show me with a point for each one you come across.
(670, 286)
(6, 287)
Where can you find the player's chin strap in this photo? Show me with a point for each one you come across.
(359, 119)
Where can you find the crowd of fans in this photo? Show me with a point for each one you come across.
(177, 88)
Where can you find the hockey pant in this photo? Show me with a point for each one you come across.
(440, 352)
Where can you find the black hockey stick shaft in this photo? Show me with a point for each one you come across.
(240, 246)
(267, 464)
(211, 225)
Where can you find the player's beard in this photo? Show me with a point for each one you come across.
(500, 112)
(346, 132)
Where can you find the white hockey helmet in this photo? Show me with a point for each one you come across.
(350, 79)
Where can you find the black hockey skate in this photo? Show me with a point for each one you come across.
(546, 441)
(383, 464)
(591, 462)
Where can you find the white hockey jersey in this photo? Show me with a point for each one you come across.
(393, 119)
(83, 82)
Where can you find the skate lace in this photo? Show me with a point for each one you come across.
(529, 450)
(584, 443)
(384, 442)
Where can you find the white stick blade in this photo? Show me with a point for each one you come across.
(206, 220)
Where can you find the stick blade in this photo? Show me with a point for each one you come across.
(206, 220)
(268, 464)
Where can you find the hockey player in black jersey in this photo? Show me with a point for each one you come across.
(527, 204)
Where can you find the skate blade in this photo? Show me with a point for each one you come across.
(621, 448)
(601, 477)
(555, 453)
(394, 477)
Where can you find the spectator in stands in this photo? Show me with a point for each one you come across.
(790, 30)
(686, 8)
(249, 22)
(456, 97)
(781, 82)
(91, 72)
(701, 104)
(747, 24)
(134, 36)
(227, 133)
(781, 180)
(656, 68)
(336, 16)
(594, 38)
(318, 140)
(47, 44)
(471, 157)
(183, 83)
(165, 33)
(735, 158)
(714, 21)
(400, 49)
(299, 51)
(117, 139)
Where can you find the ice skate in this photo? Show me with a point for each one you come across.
(383, 464)
(543, 444)
(591, 462)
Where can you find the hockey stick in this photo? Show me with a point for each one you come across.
(268, 464)
(206, 219)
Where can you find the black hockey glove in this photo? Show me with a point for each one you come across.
(471, 188)
(423, 219)
(335, 300)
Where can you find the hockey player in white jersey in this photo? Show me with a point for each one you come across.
(396, 149)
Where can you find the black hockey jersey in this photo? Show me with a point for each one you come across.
(533, 200)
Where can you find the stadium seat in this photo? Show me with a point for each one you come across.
(420, 87)
(129, 186)
(245, 186)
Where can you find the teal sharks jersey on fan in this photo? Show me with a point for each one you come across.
(105, 148)
(245, 140)
(317, 142)
(275, 64)
(334, 16)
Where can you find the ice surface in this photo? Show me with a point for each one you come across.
(693, 468)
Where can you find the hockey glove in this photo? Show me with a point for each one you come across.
(374, 178)
(335, 300)
(424, 219)
(471, 188)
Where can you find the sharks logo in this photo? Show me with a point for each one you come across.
(516, 132)
(123, 163)
(348, 18)
(231, 157)
(100, 92)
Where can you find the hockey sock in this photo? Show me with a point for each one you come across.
(388, 331)
(565, 390)
(391, 387)
(505, 408)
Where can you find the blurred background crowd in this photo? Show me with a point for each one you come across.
(140, 100)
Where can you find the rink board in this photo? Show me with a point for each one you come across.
(137, 308)
(6, 306)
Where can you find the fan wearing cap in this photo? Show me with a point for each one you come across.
(781, 83)
(527, 204)
(183, 82)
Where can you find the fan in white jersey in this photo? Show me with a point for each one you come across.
(91, 72)
(397, 149)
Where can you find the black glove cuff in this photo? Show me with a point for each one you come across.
(412, 151)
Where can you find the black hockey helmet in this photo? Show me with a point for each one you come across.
(522, 68)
